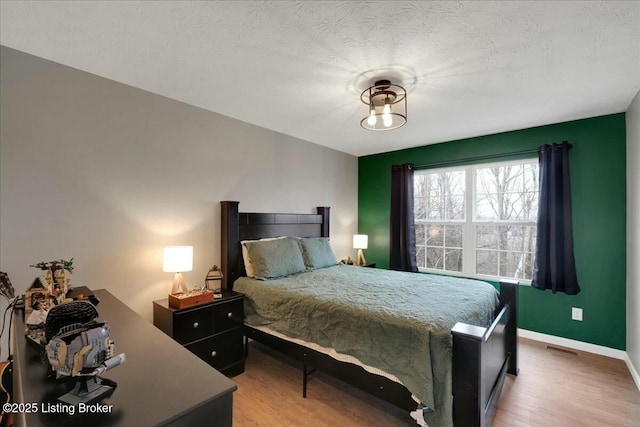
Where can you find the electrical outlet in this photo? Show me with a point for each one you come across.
(576, 314)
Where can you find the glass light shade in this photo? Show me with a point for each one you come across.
(360, 241)
(177, 259)
(386, 106)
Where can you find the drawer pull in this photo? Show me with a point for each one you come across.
(195, 325)
(229, 315)
(213, 353)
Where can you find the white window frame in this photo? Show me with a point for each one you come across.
(461, 222)
(469, 224)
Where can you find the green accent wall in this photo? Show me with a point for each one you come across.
(598, 181)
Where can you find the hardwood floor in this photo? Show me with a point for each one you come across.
(270, 395)
(555, 388)
(568, 388)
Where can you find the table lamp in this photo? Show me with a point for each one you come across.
(176, 260)
(360, 242)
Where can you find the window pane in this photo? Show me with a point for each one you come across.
(421, 234)
(516, 244)
(453, 260)
(419, 183)
(486, 208)
(508, 264)
(507, 192)
(439, 246)
(453, 236)
(528, 267)
(515, 264)
(521, 238)
(435, 258)
(419, 208)
(421, 259)
(513, 238)
(486, 182)
(436, 209)
(439, 195)
(435, 235)
(531, 183)
(455, 207)
(487, 237)
(487, 262)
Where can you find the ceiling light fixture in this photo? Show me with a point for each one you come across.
(386, 101)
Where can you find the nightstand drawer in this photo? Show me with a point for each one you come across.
(229, 315)
(221, 350)
(192, 325)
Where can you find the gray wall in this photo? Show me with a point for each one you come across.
(633, 233)
(110, 174)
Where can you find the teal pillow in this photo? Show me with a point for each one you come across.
(317, 252)
(275, 258)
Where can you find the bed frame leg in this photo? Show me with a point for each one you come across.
(306, 373)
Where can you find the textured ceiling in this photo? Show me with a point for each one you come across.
(471, 68)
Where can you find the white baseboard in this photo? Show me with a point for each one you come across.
(583, 346)
(576, 345)
(634, 372)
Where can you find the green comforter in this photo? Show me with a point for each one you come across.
(395, 321)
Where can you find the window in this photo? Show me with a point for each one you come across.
(477, 220)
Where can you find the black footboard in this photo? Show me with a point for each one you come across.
(481, 358)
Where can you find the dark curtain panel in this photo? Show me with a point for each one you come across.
(554, 265)
(402, 253)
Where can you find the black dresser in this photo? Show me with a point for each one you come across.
(160, 384)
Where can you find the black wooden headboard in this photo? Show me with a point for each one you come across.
(238, 226)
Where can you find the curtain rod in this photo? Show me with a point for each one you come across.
(485, 157)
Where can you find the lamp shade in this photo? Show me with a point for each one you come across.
(360, 241)
(177, 259)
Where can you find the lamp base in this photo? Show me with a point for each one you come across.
(179, 284)
(360, 260)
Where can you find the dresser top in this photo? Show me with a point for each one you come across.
(159, 382)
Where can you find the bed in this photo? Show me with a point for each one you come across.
(443, 365)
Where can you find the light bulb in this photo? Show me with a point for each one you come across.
(372, 116)
(386, 113)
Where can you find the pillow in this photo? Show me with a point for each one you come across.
(317, 252)
(248, 268)
(275, 258)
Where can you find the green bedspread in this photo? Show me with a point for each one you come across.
(395, 321)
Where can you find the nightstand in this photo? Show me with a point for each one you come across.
(212, 331)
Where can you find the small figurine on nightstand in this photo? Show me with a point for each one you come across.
(213, 281)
